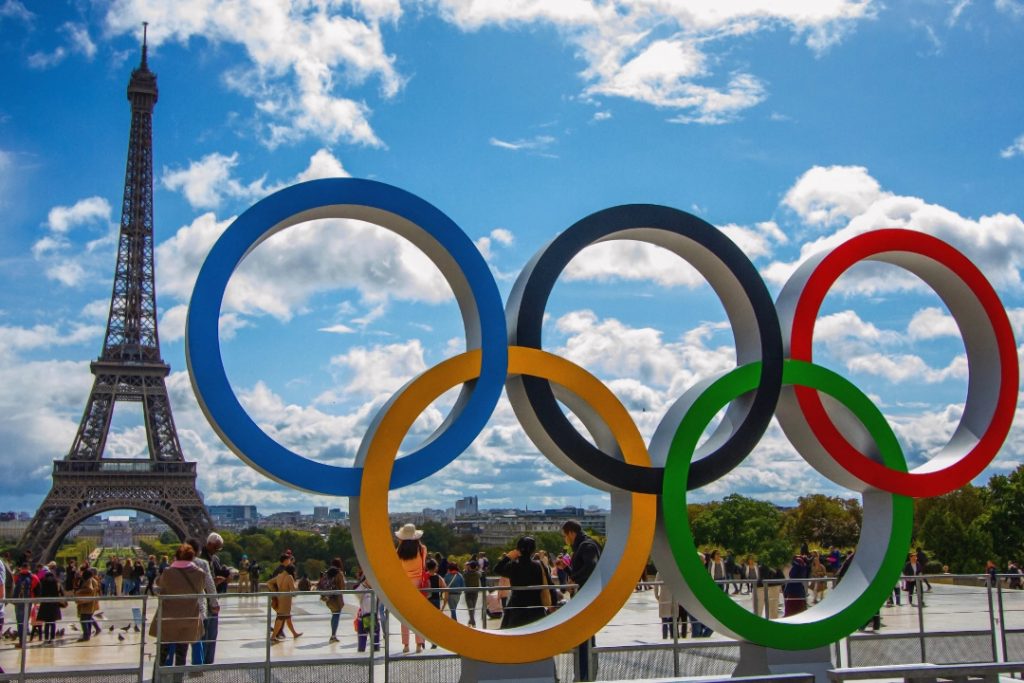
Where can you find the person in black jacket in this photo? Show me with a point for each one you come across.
(795, 590)
(519, 567)
(585, 552)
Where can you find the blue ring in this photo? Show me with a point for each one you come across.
(206, 368)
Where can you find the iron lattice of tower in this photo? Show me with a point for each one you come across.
(129, 368)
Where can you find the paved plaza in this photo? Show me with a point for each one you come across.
(243, 629)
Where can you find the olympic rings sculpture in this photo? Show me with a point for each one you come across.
(844, 437)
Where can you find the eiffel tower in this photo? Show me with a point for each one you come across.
(129, 369)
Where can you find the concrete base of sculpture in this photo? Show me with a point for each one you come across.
(757, 660)
(485, 672)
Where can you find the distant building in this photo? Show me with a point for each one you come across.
(320, 513)
(336, 514)
(12, 529)
(502, 529)
(466, 507)
(230, 515)
(118, 533)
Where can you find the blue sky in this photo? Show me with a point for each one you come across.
(791, 125)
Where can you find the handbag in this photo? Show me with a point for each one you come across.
(545, 594)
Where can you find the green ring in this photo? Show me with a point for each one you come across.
(798, 632)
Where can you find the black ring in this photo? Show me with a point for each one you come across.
(729, 272)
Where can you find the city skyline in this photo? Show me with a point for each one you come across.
(792, 129)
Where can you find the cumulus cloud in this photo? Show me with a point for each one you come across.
(638, 261)
(208, 181)
(63, 218)
(848, 201)
(662, 52)
(1015, 149)
(301, 58)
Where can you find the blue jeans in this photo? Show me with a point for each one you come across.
(210, 628)
(335, 620)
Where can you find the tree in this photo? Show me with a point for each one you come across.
(1006, 515)
(824, 521)
(438, 537)
(339, 544)
(942, 525)
(739, 524)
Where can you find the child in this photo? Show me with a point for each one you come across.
(436, 582)
(365, 616)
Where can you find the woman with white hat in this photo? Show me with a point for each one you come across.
(413, 555)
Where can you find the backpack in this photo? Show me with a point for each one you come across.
(22, 586)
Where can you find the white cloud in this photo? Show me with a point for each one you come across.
(662, 52)
(537, 142)
(15, 9)
(61, 219)
(638, 261)
(78, 42)
(907, 368)
(1015, 149)
(930, 323)
(337, 329)
(850, 201)
(379, 371)
(205, 183)
(301, 57)
(1014, 8)
(499, 236)
(824, 196)
(602, 115)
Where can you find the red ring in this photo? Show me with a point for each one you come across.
(913, 483)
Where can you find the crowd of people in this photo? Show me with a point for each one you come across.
(530, 583)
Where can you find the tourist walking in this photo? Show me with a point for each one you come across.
(88, 587)
(413, 555)
(151, 573)
(817, 571)
(366, 620)
(180, 620)
(585, 555)
(795, 590)
(282, 604)
(911, 570)
(673, 622)
(525, 606)
(220, 575)
(25, 586)
(210, 604)
(333, 580)
(472, 578)
(455, 582)
(49, 610)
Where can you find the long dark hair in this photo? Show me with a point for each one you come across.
(526, 547)
(409, 549)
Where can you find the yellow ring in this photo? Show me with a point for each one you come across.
(610, 586)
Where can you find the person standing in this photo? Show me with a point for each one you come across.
(524, 606)
(25, 586)
(49, 611)
(88, 587)
(768, 586)
(585, 555)
(117, 571)
(180, 620)
(667, 611)
(220, 574)
(923, 559)
(413, 556)
(208, 605)
(795, 590)
(334, 580)
(911, 570)
(471, 577)
(716, 567)
(455, 582)
(243, 575)
(254, 575)
(151, 572)
(817, 571)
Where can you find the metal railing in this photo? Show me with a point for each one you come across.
(971, 619)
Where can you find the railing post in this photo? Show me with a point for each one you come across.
(370, 633)
(1002, 622)
(159, 640)
(991, 615)
(266, 634)
(675, 633)
(142, 640)
(920, 616)
(386, 635)
(26, 624)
